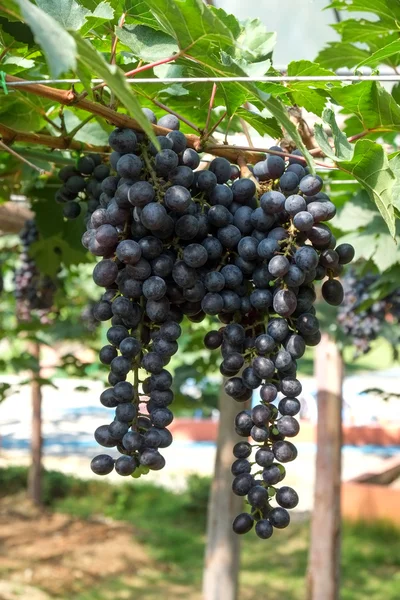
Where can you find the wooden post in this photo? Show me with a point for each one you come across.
(324, 557)
(222, 557)
(35, 471)
(13, 217)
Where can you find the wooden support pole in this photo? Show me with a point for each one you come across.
(324, 557)
(222, 557)
(13, 217)
(35, 471)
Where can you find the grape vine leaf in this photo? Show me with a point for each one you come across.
(88, 56)
(15, 64)
(261, 124)
(102, 12)
(191, 23)
(361, 30)
(342, 149)
(14, 114)
(68, 13)
(146, 43)
(371, 103)
(380, 55)
(312, 98)
(356, 213)
(387, 10)
(370, 166)
(337, 55)
(255, 42)
(57, 44)
(394, 163)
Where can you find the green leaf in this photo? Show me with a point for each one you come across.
(311, 96)
(371, 103)
(370, 166)
(262, 125)
(306, 67)
(14, 113)
(387, 10)
(360, 30)
(91, 133)
(190, 22)
(355, 214)
(342, 150)
(58, 46)
(396, 92)
(229, 20)
(395, 166)
(102, 13)
(381, 54)
(146, 43)
(337, 55)
(254, 42)
(68, 13)
(15, 64)
(114, 78)
(387, 252)
(364, 243)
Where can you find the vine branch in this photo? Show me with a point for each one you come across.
(9, 136)
(70, 98)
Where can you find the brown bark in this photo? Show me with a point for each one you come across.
(13, 217)
(324, 556)
(35, 471)
(222, 557)
(9, 136)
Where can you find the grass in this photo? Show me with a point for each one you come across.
(172, 529)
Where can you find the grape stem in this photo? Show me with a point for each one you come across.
(151, 171)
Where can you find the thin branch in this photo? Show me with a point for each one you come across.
(72, 134)
(22, 158)
(115, 40)
(214, 127)
(5, 51)
(56, 142)
(227, 130)
(246, 133)
(63, 127)
(51, 122)
(210, 107)
(55, 158)
(358, 136)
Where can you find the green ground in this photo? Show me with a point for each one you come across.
(171, 528)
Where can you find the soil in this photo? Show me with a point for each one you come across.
(48, 555)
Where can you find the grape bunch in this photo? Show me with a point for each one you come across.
(365, 325)
(81, 185)
(34, 291)
(178, 241)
